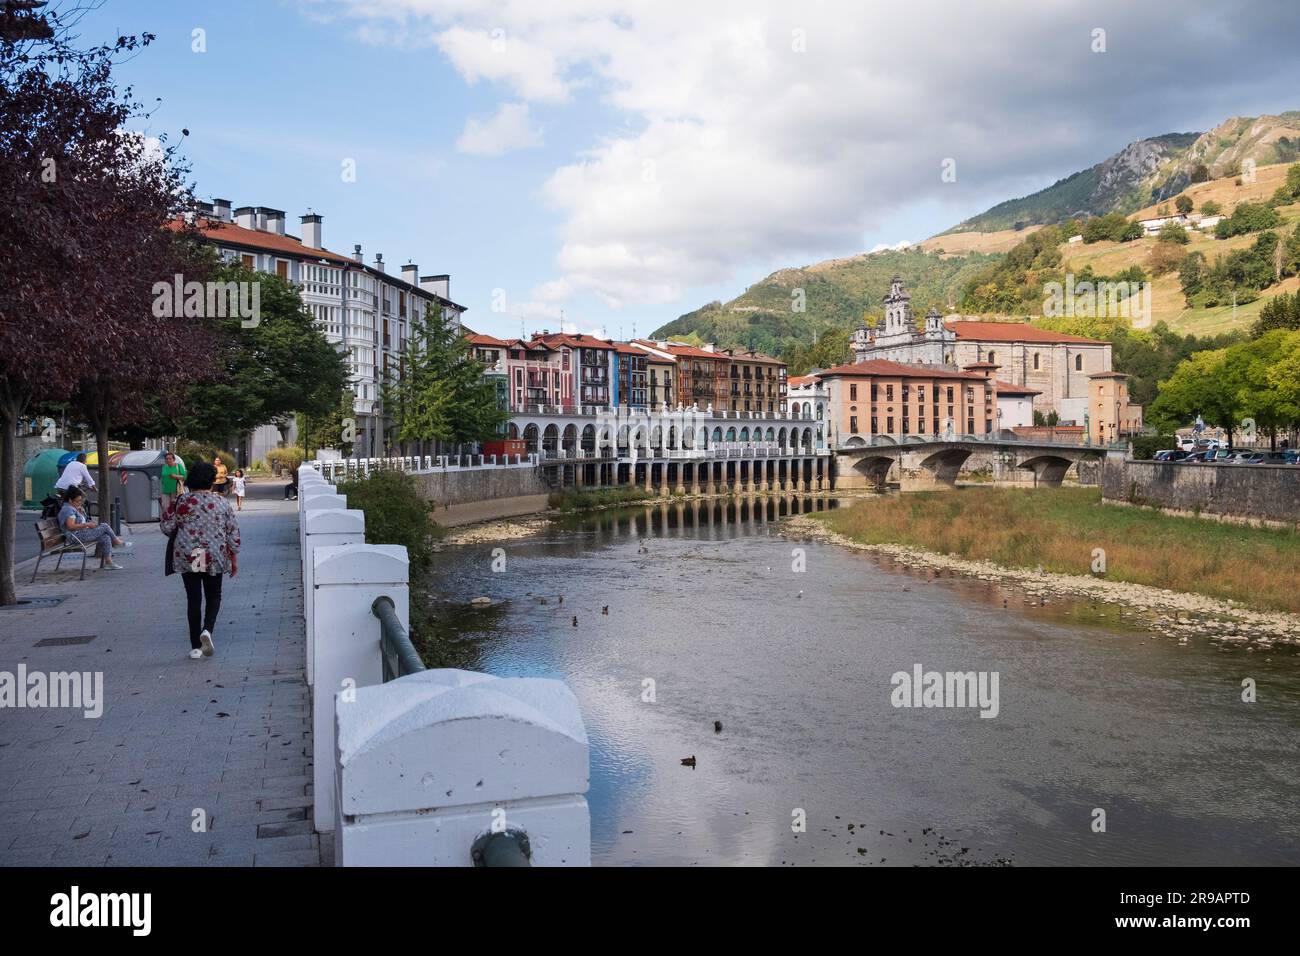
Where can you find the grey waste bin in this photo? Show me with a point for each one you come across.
(137, 480)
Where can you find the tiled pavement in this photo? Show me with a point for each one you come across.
(224, 740)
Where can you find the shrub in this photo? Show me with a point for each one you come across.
(1173, 232)
(1166, 257)
(191, 451)
(396, 513)
(1183, 204)
(571, 499)
(1210, 208)
(287, 458)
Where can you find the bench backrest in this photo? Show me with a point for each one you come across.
(50, 533)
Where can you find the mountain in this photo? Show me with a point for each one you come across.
(838, 292)
(835, 293)
(1149, 171)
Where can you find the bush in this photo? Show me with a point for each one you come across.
(396, 513)
(1114, 226)
(1210, 208)
(1173, 232)
(1166, 257)
(1247, 217)
(287, 458)
(191, 451)
(1145, 446)
(1183, 204)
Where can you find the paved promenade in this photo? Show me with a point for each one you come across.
(202, 762)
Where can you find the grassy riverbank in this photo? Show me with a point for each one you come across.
(1059, 528)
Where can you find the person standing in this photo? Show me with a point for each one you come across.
(219, 483)
(205, 542)
(237, 484)
(73, 520)
(173, 480)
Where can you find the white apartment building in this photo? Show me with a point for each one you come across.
(360, 307)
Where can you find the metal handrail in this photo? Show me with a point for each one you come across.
(395, 648)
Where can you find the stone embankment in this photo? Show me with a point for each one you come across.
(1171, 613)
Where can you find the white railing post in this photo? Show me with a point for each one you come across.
(316, 498)
(429, 763)
(347, 579)
(324, 528)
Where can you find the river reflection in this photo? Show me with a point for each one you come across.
(791, 646)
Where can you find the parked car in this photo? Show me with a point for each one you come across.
(1221, 456)
(1274, 458)
(1170, 454)
(1292, 456)
(1198, 457)
(1247, 458)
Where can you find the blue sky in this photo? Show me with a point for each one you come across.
(639, 162)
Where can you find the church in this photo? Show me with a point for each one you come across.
(1058, 366)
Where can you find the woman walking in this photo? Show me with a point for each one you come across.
(205, 542)
(72, 519)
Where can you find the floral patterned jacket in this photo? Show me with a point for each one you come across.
(207, 535)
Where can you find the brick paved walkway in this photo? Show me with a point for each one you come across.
(228, 735)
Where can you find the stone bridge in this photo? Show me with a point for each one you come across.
(921, 463)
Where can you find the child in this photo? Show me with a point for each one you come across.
(238, 482)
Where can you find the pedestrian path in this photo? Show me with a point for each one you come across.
(203, 762)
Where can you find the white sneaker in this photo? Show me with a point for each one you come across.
(111, 566)
(195, 654)
(205, 638)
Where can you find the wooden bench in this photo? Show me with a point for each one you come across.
(54, 540)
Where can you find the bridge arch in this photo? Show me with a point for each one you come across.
(1047, 469)
(945, 464)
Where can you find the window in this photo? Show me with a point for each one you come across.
(889, 395)
(1035, 361)
(853, 423)
(993, 356)
(950, 398)
(249, 261)
(853, 395)
(874, 429)
(874, 389)
(889, 425)
(282, 269)
(1078, 363)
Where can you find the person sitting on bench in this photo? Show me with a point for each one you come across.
(73, 520)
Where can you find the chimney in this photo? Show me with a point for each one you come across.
(438, 285)
(259, 214)
(275, 221)
(356, 253)
(246, 217)
(311, 230)
(221, 209)
(411, 273)
(379, 261)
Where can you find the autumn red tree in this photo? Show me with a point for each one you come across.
(83, 208)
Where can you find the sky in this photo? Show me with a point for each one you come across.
(606, 165)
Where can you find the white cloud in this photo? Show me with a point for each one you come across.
(508, 129)
(885, 247)
(751, 134)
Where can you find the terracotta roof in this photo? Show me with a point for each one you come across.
(227, 232)
(1006, 388)
(1014, 332)
(798, 381)
(889, 369)
(576, 341)
(478, 338)
(686, 350)
(627, 348)
(1108, 375)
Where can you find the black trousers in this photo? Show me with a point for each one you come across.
(201, 588)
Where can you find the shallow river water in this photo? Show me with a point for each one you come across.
(704, 600)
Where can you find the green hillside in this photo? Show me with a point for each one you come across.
(836, 295)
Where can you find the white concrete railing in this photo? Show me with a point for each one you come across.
(426, 769)
(343, 469)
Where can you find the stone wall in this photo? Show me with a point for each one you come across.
(1245, 492)
(478, 494)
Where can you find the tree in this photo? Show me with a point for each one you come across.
(440, 393)
(1210, 208)
(1183, 204)
(1165, 257)
(1198, 386)
(82, 206)
(271, 366)
(335, 429)
(1280, 312)
(1173, 232)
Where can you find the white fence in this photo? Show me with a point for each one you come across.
(343, 469)
(438, 767)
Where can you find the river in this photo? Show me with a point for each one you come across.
(704, 599)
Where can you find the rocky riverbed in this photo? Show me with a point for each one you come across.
(1174, 614)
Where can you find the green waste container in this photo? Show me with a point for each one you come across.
(39, 475)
